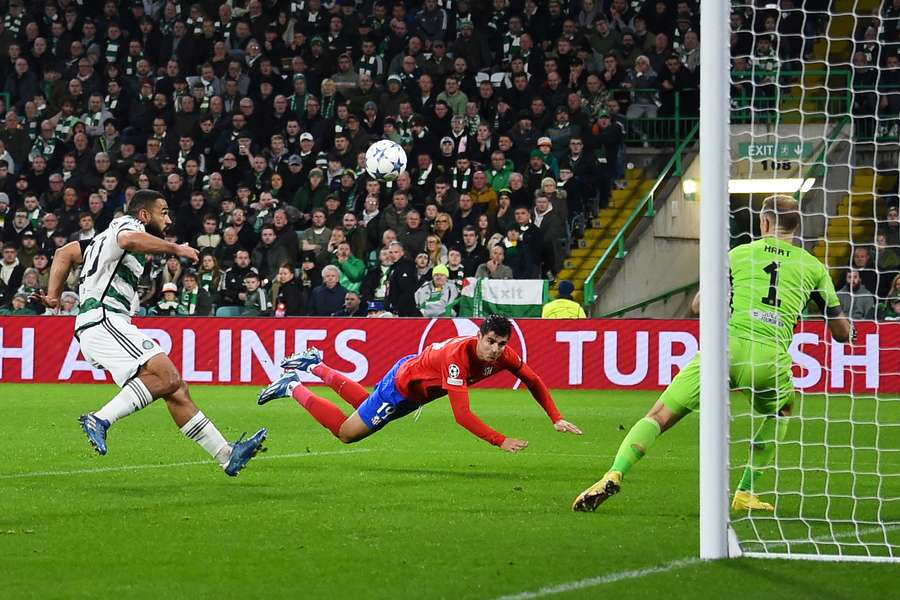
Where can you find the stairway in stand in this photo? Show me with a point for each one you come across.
(854, 221)
(602, 230)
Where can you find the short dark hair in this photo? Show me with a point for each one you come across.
(499, 324)
(142, 200)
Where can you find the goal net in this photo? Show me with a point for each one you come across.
(814, 111)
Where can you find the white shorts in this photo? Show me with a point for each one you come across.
(117, 346)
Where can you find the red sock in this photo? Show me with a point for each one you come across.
(323, 411)
(347, 389)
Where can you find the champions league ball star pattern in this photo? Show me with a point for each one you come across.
(385, 160)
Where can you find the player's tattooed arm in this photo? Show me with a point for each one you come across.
(63, 260)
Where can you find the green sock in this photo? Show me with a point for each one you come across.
(762, 450)
(642, 435)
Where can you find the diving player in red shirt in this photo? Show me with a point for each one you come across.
(442, 369)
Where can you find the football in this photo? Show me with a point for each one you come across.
(385, 160)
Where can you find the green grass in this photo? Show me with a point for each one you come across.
(420, 510)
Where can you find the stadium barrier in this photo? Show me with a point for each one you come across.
(586, 354)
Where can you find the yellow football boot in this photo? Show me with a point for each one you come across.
(744, 500)
(594, 496)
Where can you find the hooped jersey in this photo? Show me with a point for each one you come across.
(109, 275)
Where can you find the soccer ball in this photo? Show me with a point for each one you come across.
(385, 160)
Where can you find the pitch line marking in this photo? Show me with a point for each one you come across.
(680, 563)
(178, 464)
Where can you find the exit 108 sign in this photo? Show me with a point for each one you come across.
(774, 150)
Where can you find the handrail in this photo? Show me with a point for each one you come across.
(647, 201)
(830, 139)
(643, 304)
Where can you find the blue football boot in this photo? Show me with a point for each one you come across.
(279, 388)
(303, 361)
(243, 450)
(95, 428)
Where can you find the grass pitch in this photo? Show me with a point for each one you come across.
(420, 510)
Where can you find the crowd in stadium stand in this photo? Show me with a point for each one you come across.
(252, 117)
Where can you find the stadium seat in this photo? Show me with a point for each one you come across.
(229, 311)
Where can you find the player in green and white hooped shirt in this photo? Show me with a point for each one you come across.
(772, 281)
(113, 262)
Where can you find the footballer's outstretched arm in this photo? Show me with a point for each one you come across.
(139, 241)
(539, 392)
(459, 402)
(64, 259)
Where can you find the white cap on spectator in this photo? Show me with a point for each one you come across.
(170, 287)
(544, 141)
(307, 136)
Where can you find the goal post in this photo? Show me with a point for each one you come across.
(803, 116)
(714, 208)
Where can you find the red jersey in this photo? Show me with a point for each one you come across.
(451, 366)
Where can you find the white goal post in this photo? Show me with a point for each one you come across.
(835, 476)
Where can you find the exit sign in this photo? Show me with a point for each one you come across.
(775, 150)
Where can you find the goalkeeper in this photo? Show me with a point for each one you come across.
(772, 281)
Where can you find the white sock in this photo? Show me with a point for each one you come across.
(133, 396)
(201, 430)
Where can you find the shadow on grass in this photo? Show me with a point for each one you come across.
(796, 586)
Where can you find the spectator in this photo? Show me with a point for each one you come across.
(352, 306)
(413, 235)
(194, 300)
(482, 194)
(423, 268)
(231, 290)
(352, 269)
(68, 305)
(86, 230)
(17, 306)
(317, 235)
(42, 263)
(436, 298)
(553, 233)
(256, 301)
(891, 227)
(209, 274)
(473, 254)
(436, 251)
(268, 256)
(530, 243)
(494, 267)
(328, 298)
(888, 310)
(394, 216)
(863, 263)
(402, 284)
(563, 307)
(10, 272)
(287, 295)
(209, 237)
(28, 250)
(168, 305)
(857, 301)
(375, 283)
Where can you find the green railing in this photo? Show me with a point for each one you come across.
(656, 131)
(876, 125)
(643, 209)
(643, 304)
(767, 102)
